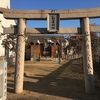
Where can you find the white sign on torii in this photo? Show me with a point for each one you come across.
(53, 22)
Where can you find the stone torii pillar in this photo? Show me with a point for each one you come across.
(87, 56)
(19, 67)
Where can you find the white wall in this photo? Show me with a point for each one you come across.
(5, 23)
(5, 3)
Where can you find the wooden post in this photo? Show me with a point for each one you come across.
(7, 52)
(34, 52)
(59, 54)
(19, 67)
(87, 57)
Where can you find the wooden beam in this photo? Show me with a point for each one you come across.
(42, 14)
(95, 29)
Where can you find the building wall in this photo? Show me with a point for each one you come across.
(54, 51)
(4, 23)
(5, 3)
(39, 51)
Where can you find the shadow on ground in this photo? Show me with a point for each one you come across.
(53, 84)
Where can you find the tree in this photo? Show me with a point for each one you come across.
(95, 43)
(9, 42)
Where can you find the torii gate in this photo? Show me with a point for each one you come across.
(82, 14)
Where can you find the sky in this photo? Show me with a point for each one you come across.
(55, 5)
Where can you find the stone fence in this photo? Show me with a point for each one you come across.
(3, 80)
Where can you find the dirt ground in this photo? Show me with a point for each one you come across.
(47, 80)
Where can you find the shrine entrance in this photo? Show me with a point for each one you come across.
(53, 15)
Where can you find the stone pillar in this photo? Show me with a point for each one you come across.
(19, 66)
(3, 80)
(34, 52)
(87, 56)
